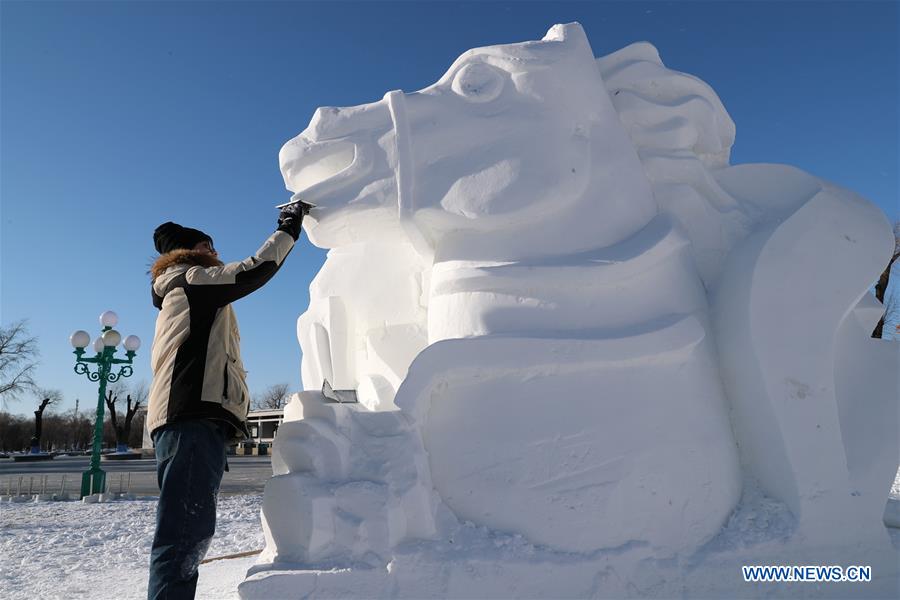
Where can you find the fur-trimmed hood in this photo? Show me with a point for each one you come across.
(191, 258)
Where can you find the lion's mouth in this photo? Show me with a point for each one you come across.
(307, 167)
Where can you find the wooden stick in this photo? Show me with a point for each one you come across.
(227, 556)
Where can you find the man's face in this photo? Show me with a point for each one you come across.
(205, 247)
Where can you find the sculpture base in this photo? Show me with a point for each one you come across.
(490, 565)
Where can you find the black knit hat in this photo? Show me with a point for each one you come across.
(172, 236)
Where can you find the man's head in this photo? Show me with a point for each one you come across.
(172, 236)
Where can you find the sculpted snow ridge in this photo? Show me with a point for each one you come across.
(568, 318)
(678, 111)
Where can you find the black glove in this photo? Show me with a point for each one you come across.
(290, 219)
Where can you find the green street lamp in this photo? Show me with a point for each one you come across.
(93, 481)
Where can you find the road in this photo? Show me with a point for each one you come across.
(246, 475)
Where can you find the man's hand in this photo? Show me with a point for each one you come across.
(290, 219)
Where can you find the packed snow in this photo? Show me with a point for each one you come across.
(73, 550)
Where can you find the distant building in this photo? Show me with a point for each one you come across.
(263, 425)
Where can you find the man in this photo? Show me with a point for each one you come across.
(198, 398)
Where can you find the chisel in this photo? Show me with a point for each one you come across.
(295, 199)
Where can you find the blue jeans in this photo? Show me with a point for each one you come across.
(190, 461)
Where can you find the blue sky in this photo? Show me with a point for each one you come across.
(117, 116)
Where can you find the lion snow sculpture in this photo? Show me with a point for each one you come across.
(568, 318)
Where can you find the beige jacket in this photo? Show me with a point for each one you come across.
(196, 356)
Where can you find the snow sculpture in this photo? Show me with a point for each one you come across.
(564, 312)
(366, 320)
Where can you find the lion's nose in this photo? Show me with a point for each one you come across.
(329, 122)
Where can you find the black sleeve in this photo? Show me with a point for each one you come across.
(223, 285)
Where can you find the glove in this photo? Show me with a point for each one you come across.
(290, 219)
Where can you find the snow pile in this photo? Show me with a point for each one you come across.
(75, 550)
(592, 357)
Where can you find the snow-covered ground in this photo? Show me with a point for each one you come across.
(73, 550)
(101, 551)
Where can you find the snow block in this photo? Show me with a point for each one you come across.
(302, 510)
(814, 397)
(892, 513)
(353, 483)
(565, 441)
(363, 326)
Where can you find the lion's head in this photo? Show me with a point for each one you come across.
(519, 151)
(514, 140)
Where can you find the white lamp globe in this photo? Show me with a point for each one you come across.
(98, 345)
(80, 339)
(132, 343)
(112, 338)
(109, 319)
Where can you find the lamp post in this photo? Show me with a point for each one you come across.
(93, 481)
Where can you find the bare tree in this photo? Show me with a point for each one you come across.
(134, 400)
(18, 359)
(57, 431)
(47, 397)
(275, 397)
(14, 432)
(885, 279)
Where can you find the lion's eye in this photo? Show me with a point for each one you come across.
(478, 82)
